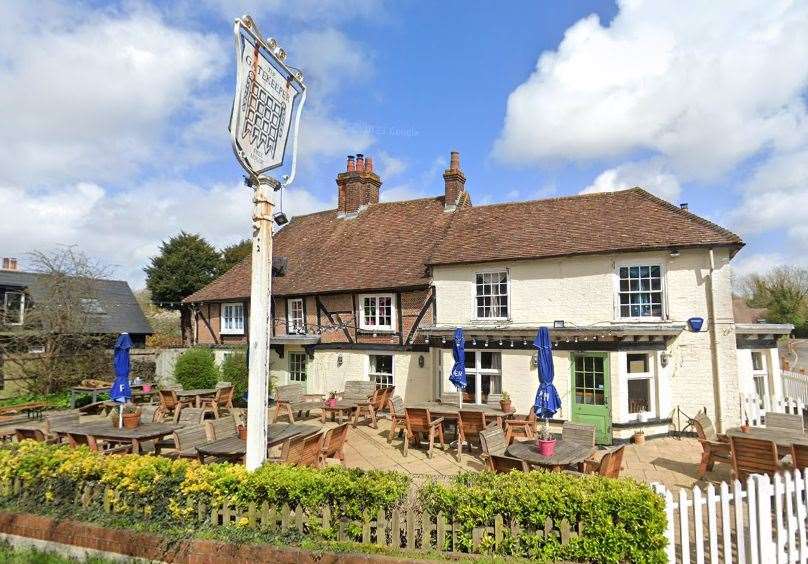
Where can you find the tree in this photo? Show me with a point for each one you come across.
(196, 369)
(235, 253)
(783, 291)
(57, 346)
(186, 263)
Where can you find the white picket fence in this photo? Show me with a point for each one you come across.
(754, 408)
(764, 521)
(795, 385)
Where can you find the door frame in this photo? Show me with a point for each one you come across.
(607, 437)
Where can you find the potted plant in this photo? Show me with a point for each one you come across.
(332, 399)
(505, 402)
(546, 442)
(131, 416)
(242, 425)
(639, 438)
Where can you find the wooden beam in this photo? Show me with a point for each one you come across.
(430, 298)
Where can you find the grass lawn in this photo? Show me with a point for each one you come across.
(10, 555)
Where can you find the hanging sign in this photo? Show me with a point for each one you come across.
(267, 104)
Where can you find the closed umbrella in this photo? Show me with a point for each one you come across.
(458, 376)
(547, 400)
(121, 392)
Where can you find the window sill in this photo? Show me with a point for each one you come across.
(231, 332)
(641, 320)
(639, 424)
(386, 331)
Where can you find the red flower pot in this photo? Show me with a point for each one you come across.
(546, 447)
(331, 402)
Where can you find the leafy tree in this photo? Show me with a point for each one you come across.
(196, 369)
(783, 291)
(186, 263)
(235, 253)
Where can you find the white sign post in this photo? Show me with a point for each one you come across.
(267, 105)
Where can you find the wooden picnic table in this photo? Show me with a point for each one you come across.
(783, 438)
(343, 408)
(197, 394)
(104, 430)
(452, 411)
(566, 453)
(95, 391)
(233, 448)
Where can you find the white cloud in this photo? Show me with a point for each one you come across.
(388, 166)
(650, 175)
(704, 85)
(303, 10)
(757, 264)
(91, 94)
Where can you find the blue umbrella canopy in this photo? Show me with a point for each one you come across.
(458, 376)
(121, 392)
(547, 400)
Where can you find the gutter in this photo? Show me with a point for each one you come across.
(714, 343)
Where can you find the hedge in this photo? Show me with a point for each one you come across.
(234, 370)
(196, 369)
(621, 520)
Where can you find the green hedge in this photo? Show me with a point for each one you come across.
(196, 369)
(234, 369)
(621, 520)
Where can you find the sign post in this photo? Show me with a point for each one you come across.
(266, 112)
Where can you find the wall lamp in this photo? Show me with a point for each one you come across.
(280, 219)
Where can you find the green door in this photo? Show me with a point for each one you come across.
(590, 393)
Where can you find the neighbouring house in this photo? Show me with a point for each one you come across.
(374, 290)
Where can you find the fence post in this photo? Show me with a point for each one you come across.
(712, 525)
(800, 491)
(670, 549)
(768, 549)
(684, 527)
(790, 482)
(698, 524)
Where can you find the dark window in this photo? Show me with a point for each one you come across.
(640, 291)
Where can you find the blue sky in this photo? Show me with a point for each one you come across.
(113, 149)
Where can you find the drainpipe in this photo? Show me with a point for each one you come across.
(714, 343)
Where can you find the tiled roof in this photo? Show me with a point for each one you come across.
(627, 220)
(744, 313)
(386, 246)
(390, 245)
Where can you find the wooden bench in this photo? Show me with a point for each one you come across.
(291, 399)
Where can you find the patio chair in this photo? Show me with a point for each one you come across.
(381, 397)
(358, 390)
(150, 413)
(334, 443)
(398, 419)
(493, 400)
(170, 403)
(505, 464)
(101, 447)
(521, 426)
(220, 428)
(186, 440)
(492, 442)
(291, 399)
(753, 456)
(799, 455)
(223, 385)
(715, 447)
(420, 421)
(189, 416)
(223, 399)
(608, 466)
(302, 451)
(452, 398)
(469, 426)
(578, 433)
(787, 421)
(31, 434)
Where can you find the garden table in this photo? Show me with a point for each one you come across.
(566, 453)
(96, 391)
(783, 438)
(342, 408)
(451, 411)
(234, 448)
(104, 430)
(197, 394)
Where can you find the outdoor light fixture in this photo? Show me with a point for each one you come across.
(474, 342)
(420, 361)
(426, 339)
(674, 253)
(511, 344)
(663, 359)
(443, 340)
(524, 342)
(339, 360)
(558, 324)
(500, 342)
(486, 342)
(280, 218)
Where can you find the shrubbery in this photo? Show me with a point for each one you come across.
(621, 520)
(196, 369)
(234, 370)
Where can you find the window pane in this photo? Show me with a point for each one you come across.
(637, 363)
(470, 359)
(639, 395)
(757, 361)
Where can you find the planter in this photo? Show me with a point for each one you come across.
(146, 388)
(639, 438)
(331, 402)
(505, 405)
(546, 447)
(131, 420)
(242, 432)
(744, 428)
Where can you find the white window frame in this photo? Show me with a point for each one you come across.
(305, 361)
(762, 373)
(509, 295)
(662, 285)
(478, 372)
(222, 317)
(295, 326)
(22, 306)
(377, 328)
(650, 375)
(371, 376)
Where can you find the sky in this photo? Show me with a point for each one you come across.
(113, 115)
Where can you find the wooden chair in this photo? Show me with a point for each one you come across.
(31, 434)
(149, 413)
(505, 464)
(101, 447)
(799, 455)
(186, 440)
(521, 426)
(492, 443)
(787, 421)
(469, 426)
(452, 398)
(578, 433)
(715, 447)
(420, 421)
(220, 428)
(303, 451)
(381, 397)
(189, 416)
(334, 443)
(222, 385)
(753, 456)
(291, 399)
(169, 403)
(608, 466)
(398, 419)
(358, 390)
(493, 401)
(223, 399)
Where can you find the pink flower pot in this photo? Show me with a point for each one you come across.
(146, 388)
(546, 448)
(331, 402)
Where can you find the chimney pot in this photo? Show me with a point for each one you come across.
(356, 191)
(368, 164)
(360, 162)
(9, 263)
(454, 161)
(351, 164)
(454, 183)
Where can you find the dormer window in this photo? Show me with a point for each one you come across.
(640, 292)
(376, 312)
(295, 316)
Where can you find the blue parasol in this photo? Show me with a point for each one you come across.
(547, 400)
(458, 376)
(120, 391)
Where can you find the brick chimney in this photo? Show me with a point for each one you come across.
(357, 187)
(455, 184)
(9, 263)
